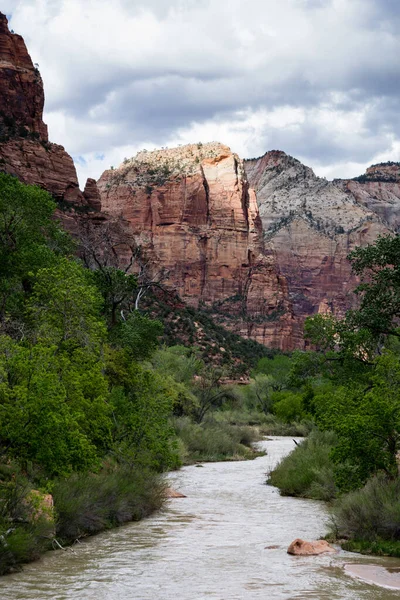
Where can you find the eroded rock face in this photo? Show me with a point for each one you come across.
(301, 548)
(25, 150)
(191, 210)
(310, 225)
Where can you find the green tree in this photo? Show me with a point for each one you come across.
(53, 407)
(29, 239)
(367, 423)
(142, 402)
(64, 308)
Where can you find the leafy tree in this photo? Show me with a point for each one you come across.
(277, 367)
(367, 422)
(138, 335)
(142, 402)
(258, 393)
(180, 362)
(361, 334)
(53, 408)
(64, 308)
(118, 290)
(29, 240)
(209, 391)
(288, 406)
(378, 266)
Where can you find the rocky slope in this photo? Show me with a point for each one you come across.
(310, 225)
(191, 211)
(25, 150)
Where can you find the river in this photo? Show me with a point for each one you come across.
(226, 540)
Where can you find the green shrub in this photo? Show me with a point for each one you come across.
(308, 470)
(213, 441)
(87, 504)
(22, 538)
(370, 514)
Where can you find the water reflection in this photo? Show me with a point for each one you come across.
(226, 541)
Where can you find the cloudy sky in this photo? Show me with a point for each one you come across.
(319, 79)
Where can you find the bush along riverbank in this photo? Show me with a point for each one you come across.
(350, 386)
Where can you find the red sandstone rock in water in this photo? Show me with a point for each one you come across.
(191, 210)
(301, 548)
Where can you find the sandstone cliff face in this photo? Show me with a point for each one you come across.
(310, 225)
(24, 147)
(191, 211)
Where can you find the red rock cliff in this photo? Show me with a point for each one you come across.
(310, 225)
(191, 210)
(24, 147)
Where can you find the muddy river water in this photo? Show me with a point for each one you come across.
(226, 540)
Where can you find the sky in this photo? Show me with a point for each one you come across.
(319, 79)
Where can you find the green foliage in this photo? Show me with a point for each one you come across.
(277, 367)
(142, 401)
(214, 441)
(359, 354)
(138, 335)
(22, 538)
(366, 422)
(288, 406)
(64, 308)
(258, 394)
(87, 504)
(210, 393)
(378, 265)
(118, 290)
(53, 408)
(308, 470)
(29, 240)
(370, 514)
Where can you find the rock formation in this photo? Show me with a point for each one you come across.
(25, 150)
(310, 225)
(190, 209)
(301, 548)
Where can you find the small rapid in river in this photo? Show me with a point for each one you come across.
(226, 540)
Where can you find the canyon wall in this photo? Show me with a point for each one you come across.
(192, 213)
(25, 150)
(311, 224)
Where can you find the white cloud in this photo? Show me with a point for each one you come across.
(311, 77)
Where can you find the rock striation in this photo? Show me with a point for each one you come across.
(191, 210)
(311, 224)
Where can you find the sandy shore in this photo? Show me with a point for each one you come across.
(388, 578)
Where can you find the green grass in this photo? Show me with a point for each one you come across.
(213, 441)
(307, 472)
(376, 548)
